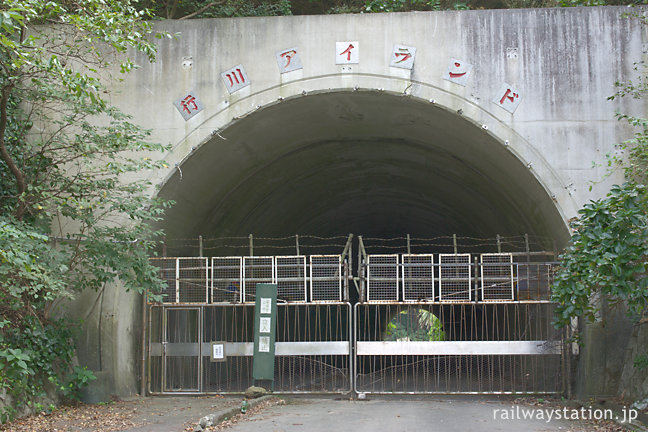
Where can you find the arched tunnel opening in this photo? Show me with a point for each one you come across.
(370, 163)
(374, 164)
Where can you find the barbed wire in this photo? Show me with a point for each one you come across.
(308, 242)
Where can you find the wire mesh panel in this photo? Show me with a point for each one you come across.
(256, 270)
(291, 278)
(382, 277)
(193, 276)
(168, 273)
(227, 279)
(455, 277)
(534, 280)
(326, 278)
(418, 277)
(497, 277)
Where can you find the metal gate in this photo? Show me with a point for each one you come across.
(457, 323)
(456, 348)
(314, 325)
(423, 323)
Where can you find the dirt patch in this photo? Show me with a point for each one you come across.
(582, 424)
(250, 415)
(152, 414)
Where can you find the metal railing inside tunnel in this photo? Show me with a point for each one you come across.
(407, 321)
(382, 278)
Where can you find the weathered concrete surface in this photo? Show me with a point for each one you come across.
(332, 149)
(567, 63)
(634, 380)
(603, 357)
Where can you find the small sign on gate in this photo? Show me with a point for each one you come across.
(218, 352)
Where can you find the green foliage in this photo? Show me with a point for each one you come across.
(607, 259)
(607, 255)
(180, 9)
(414, 325)
(401, 5)
(29, 268)
(71, 217)
(35, 357)
(641, 362)
(572, 3)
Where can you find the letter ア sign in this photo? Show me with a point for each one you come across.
(288, 60)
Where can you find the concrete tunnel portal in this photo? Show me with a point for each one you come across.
(323, 151)
(363, 162)
(368, 163)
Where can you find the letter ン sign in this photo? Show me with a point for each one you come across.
(458, 72)
(347, 52)
(235, 78)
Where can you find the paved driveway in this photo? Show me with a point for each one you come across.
(460, 414)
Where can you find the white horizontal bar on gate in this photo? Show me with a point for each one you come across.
(246, 349)
(312, 348)
(291, 348)
(459, 348)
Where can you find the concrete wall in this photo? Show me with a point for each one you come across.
(562, 63)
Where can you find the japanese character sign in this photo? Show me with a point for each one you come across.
(347, 52)
(508, 98)
(402, 57)
(288, 60)
(458, 72)
(235, 78)
(188, 105)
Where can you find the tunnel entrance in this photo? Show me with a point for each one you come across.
(382, 165)
(417, 323)
(365, 162)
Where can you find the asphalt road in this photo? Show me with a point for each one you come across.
(438, 414)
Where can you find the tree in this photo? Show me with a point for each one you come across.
(607, 258)
(415, 325)
(185, 9)
(65, 157)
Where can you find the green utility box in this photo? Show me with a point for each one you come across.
(265, 324)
